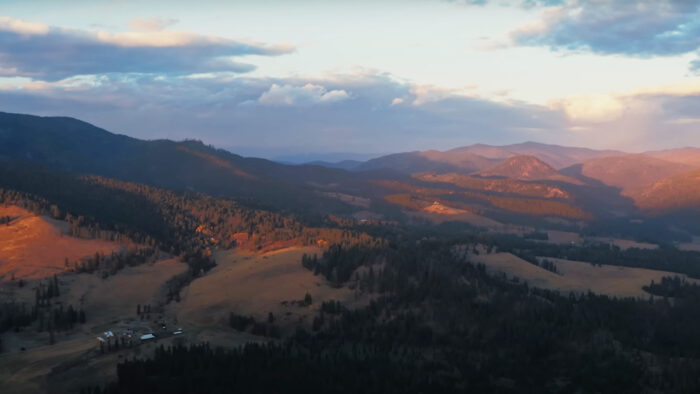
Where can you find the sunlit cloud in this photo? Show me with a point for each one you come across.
(151, 24)
(430, 93)
(22, 27)
(598, 108)
(45, 53)
(638, 28)
(301, 95)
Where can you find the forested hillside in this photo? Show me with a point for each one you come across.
(442, 324)
(71, 145)
(175, 221)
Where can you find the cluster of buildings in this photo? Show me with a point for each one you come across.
(126, 337)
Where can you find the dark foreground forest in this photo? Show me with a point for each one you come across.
(442, 324)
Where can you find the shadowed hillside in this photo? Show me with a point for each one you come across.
(72, 145)
(629, 173)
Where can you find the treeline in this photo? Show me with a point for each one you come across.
(666, 257)
(249, 324)
(14, 315)
(267, 368)
(339, 262)
(528, 256)
(199, 262)
(49, 316)
(674, 287)
(112, 263)
(175, 222)
(89, 227)
(53, 316)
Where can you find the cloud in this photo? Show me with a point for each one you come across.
(683, 121)
(634, 28)
(429, 93)
(22, 27)
(517, 3)
(151, 24)
(594, 108)
(695, 66)
(608, 108)
(218, 110)
(300, 95)
(274, 116)
(29, 49)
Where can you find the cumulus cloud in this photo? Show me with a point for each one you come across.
(648, 118)
(29, 49)
(593, 108)
(301, 95)
(634, 28)
(217, 110)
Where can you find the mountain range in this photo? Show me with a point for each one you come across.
(568, 183)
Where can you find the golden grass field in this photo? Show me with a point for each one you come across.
(255, 284)
(243, 282)
(108, 303)
(36, 246)
(576, 276)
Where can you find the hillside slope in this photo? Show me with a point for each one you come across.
(428, 161)
(526, 168)
(688, 156)
(72, 145)
(630, 173)
(36, 246)
(555, 155)
(479, 157)
(678, 193)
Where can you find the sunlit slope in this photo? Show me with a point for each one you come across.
(34, 246)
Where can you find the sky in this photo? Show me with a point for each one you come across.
(351, 79)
